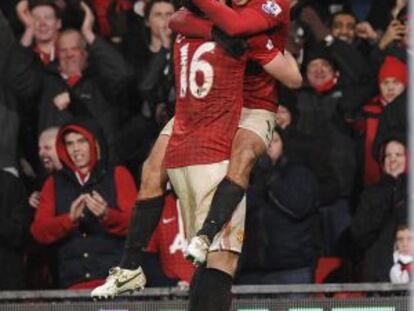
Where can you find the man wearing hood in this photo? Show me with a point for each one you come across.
(85, 207)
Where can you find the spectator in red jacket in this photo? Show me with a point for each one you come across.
(84, 208)
(392, 80)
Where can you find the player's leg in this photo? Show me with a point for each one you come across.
(147, 211)
(250, 142)
(211, 287)
(144, 220)
(211, 290)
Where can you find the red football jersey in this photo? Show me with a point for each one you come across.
(169, 242)
(209, 85)
(277, 13)
(260, 89)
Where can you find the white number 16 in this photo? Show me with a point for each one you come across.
(196, 65)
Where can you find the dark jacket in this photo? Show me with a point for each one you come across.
(282, 212)
(17, 81)
(320, 119)
(85, 250)
(13, 226)
(393, 120)
(381, 209)
(99, 93)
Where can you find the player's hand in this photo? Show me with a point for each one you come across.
(96, 204)
(235, 46)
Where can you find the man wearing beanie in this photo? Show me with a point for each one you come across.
(392, 81)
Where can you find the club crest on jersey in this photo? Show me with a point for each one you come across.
(271, 8)
(269, 45)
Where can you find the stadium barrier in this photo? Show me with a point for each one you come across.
(325, 297)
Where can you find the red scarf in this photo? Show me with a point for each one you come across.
(326, 87)
(72, 80)
(45, 58)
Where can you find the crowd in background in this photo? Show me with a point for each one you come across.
(329, 194)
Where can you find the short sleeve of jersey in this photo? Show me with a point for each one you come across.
(276, 12)
(261, 49)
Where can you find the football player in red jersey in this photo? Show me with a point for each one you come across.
(153, 174)
(209, 84)
(260, 98)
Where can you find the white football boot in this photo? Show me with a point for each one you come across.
(120, 281)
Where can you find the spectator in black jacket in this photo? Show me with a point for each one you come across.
(320, 117)
(17, 82)
(392, 120)
(90, 81)
(154, 78)
(281, 245)
(381, 209)
(13, 228)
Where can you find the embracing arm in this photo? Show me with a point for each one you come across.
(285, 69)
(247, 21)
(190, 25)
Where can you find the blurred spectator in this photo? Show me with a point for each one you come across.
(49, 159)
(402, 270)
(152, 61)
(148, 47)
(395, 40)
(392, 80)
(42, 23)
(383, 11)
(113, 16)
(309, 151)
(13, 230)
(392, 120)
(168, 243)
(84, 208)
(14, 216)
(18, 82)
(382, 207)
(284, 249)
(40, 262)
(90, 80)
(320, 118)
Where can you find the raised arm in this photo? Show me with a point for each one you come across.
(190, 25)
(281, 66)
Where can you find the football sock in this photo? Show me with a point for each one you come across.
(225, 200)
(145, 217)
(214, 291)
(195, 287)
